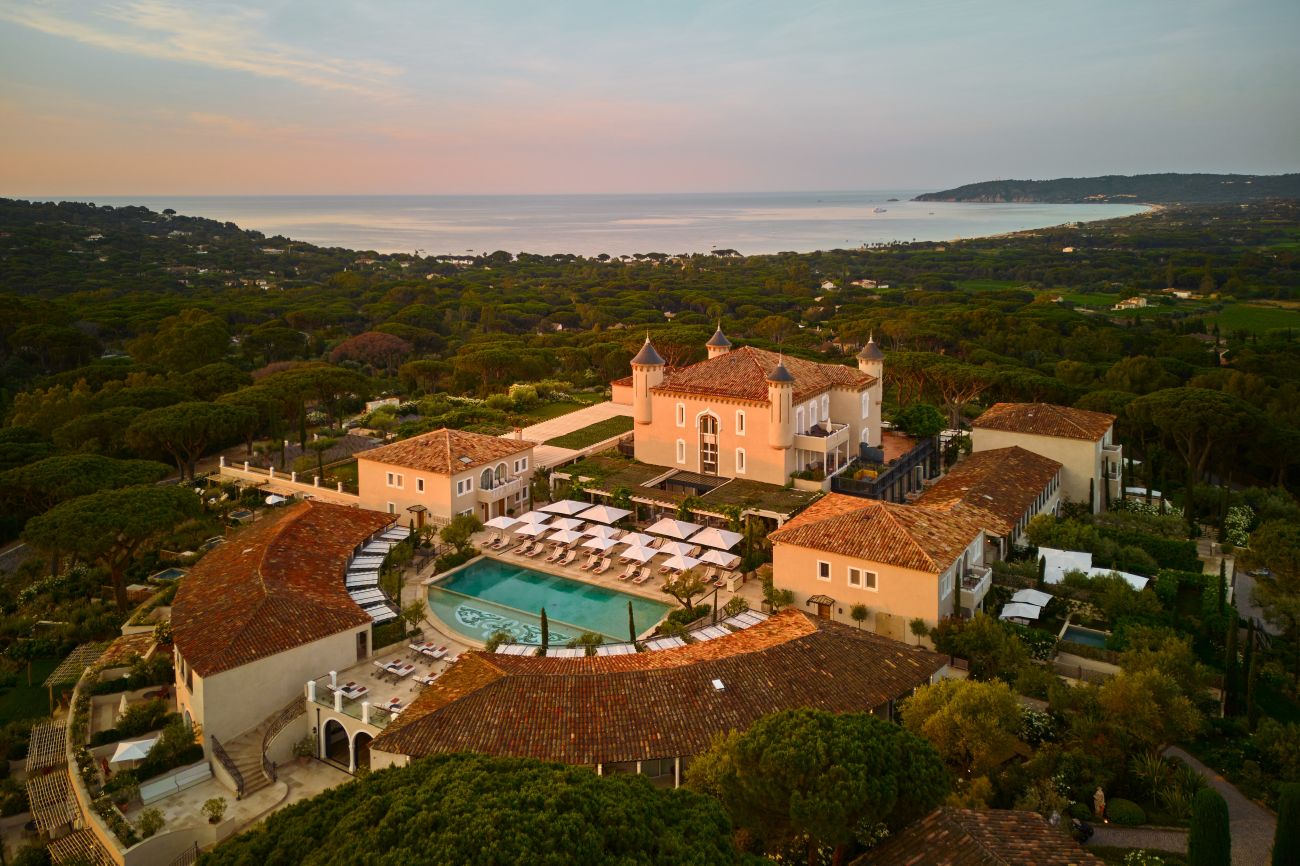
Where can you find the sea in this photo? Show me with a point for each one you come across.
(750, 223)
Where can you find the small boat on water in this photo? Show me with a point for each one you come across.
(879, 210)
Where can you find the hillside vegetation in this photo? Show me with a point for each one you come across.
(1118, 188)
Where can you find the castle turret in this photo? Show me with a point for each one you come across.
(718, 344)
(871, 360)
(780, 395)
(647, 373)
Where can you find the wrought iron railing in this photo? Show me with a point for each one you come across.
(188, 857)
(279, 722)
(219, 752)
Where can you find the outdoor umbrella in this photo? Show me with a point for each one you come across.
(674, 528)
(566, 506)
(565, 536)
(604, 514)
(602, 531)
(719, 538)
(133, 750)
(718, 557)
(681, 563)
(275, 499)
(676, 548)
(534, 517)
(533, 529)
(637, 538)
(566, 523)
(639, 553)
(599, 543)
(501, 522)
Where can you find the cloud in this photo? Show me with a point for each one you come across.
(230, 39)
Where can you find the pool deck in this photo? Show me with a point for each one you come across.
(416, 586)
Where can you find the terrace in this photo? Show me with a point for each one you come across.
(902, 467)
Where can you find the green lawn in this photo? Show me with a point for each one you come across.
(549, 410)
(988, 285)
(593, 433)
(345, 472)
(1256, 317)
(28, 702)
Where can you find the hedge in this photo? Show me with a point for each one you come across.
(1126, 813)
(1168, 553)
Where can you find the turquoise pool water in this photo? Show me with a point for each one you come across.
(1085, 636)
(488, 594)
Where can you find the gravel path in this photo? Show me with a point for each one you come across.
(1252, 825)
(1139, 837)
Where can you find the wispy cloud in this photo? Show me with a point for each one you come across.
(230, 39)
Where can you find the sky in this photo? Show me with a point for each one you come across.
(136, 97)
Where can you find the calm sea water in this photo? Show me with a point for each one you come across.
(621, 224)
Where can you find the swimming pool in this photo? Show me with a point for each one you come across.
(488, 595)
(1086, 636)
(168, 574)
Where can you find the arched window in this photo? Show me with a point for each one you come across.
(485, 480)
(826, 407)
(499, 476)
(709, 444)
(866, 404)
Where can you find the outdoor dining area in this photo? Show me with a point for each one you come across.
(379, 692)
(581, 537)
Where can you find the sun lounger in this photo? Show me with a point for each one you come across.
(711, 575)
(537, 550)
(603, 566)
(569, 557)
(642, 575)
(695, 551)
(556, 553)
(521, 547)
(425, 681)
(590, 563)
(628, 572)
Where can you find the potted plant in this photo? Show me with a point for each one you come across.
(215, 809)
(305, 749)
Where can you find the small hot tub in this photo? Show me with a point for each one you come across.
(241, 515)
(1085, 636)
(168, 574)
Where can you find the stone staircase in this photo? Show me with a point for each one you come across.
(245, 752)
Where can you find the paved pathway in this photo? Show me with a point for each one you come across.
(1139, 837)
(1252, 824)
(550, 455)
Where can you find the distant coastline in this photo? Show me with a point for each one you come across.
(1169, 188)
(750, 223)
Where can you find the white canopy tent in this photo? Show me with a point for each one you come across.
(1020, 610)
(681, 563)
(565, 536)
(639, 552)
(1036, 597)
(722, 539)
(568, 507)
(133, 750)
(1061, 561)
(672, 528)
(604, 514)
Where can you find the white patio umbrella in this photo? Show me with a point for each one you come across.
(133, 750)
(275, 499)
(674, 528)
(599, 543)
(604, 514)
(566, 523)
(534, 517)
(722, 539)
(639, 538)
(681, 563)
(565, 536)
(718, 557)
(599, 530)
(640, 553)
(532, 529)
(676, 548)
(501, 522)
(566, 506)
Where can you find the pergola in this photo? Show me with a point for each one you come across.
(47, 747)
(72, 667)
(79, 847)
(51, 801)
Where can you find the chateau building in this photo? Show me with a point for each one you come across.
(750, 413)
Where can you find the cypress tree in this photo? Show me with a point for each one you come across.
(1286, 839)
(1209, 843)
(631, 624)
(1230, 671)
(1252, 679)
(546, 634)
(1223, 583)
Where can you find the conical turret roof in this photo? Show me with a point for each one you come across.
(871, 352)
(648, 356)
(780, 373)
(718, 340)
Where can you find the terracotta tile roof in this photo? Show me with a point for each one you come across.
(742, 374)
(980, 837)
(446, 452)
(1045, 419)
(1002, 484)
(273, 587)
(659, 704)
(909, 536)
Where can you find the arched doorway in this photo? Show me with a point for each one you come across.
(338, 747)
(361, 750)
(708, 444)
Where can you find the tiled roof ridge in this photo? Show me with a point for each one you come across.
(967, 822)
(907, 530)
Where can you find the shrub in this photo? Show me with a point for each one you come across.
(1210, 842)
(1126, 813)
(1081, 811)
(151, 821)
(32, 855)
(1286, 839)
(682, 617)
(215, 809)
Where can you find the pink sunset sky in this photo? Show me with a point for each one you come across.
(154, 96)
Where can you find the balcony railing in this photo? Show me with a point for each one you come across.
(975, 585)
(500, 490)
(823, 438)
(897, 479)
(360, 708)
